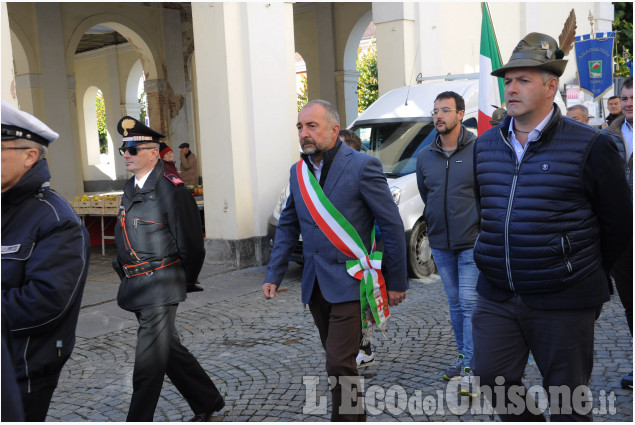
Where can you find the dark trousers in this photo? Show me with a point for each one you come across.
(622, 272)
(561, 342)
(340, 333)
(36, 404)
(159, 351)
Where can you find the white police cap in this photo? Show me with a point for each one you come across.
(18, 124)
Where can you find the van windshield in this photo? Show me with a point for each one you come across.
(396, 144)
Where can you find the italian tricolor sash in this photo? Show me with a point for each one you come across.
(365, 267)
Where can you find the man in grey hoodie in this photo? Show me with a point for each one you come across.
(446, 182)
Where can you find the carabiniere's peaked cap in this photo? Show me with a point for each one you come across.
(134, 132)
(17, 124)
(536, 50)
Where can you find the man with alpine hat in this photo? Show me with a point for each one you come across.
(555, 215)
(498, 116)
(45, 256)
(159, 250)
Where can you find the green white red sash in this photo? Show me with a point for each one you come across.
(365, 267)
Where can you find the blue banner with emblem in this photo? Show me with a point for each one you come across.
(594, 56)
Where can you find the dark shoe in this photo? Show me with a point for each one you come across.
(201, 417)
(627, 381)
(454, 371)
(207, 416)
(193, 287)
(468, 386)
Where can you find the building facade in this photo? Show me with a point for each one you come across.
(221, 76)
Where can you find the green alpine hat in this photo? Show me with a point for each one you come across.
(536, 50)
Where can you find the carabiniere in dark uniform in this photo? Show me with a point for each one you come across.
(159, 248)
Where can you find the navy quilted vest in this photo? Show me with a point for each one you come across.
(538, 232)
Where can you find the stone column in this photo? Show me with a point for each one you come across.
(326, 55)
(132, 109)
(346, 83)
(175, 81)
(29, 90)
(57, 100)
(396, 47)
(156, 90)
(8, 74)
(245, 89)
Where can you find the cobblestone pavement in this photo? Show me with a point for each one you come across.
(261, 354)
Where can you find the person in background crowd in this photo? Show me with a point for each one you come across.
(351, 139)
(555, 216)
(189, 165)
(45, 256)
(160, 250)
(445, 179)
(615, 110)
(498, 116)
(167, 155)
(580, 113)
(622, 271)
(356, 187)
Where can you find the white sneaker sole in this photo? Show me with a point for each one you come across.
(366, 364)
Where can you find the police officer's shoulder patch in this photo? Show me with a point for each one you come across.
(176, 181)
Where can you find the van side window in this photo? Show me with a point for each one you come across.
(471, 125)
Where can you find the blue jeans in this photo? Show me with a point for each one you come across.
(459, 274)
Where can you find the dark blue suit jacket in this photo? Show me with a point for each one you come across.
(357, 187)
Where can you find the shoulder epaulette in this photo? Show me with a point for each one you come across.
(176, 181)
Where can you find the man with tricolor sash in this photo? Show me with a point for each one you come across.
(336, 195)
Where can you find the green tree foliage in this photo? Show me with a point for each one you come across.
(367, 86)
(101, 122)
(623, 24)
(143, 101)
(303, 95)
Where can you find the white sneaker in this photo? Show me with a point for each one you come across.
(364, 360)
(468, 386)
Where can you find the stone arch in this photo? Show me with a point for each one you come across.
(24, 57)
(311, 67)
(352, 43)
(26, 68)
(191, 102)
(134, 33)
(91, 140)
(90, 125)
(349, 77)
(132, 84)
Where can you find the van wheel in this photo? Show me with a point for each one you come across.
(420, 261)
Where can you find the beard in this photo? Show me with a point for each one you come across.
(448, 129)
(309, 147)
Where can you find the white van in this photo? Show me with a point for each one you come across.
(394, 129)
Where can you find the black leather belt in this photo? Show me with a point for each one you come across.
(147, 267)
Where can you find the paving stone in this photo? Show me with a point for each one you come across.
(258, 352)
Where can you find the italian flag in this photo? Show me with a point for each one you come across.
(490, 88)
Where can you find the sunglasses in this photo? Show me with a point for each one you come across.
(133, 150)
